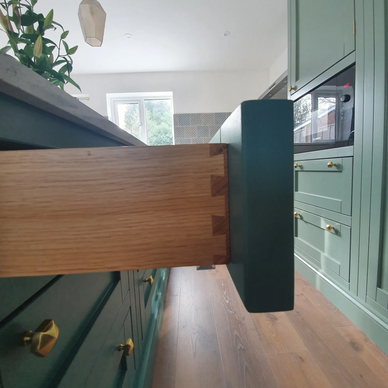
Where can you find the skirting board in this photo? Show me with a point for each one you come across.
(369, 323)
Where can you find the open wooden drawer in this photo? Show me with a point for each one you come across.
(123, 208)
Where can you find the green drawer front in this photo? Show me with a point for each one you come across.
(326, 249)
(71, 302)
(329, 188)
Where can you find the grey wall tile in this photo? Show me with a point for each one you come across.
(208, 119)
(203, 131)
(191, 132)
(184, 119)
(196, 118)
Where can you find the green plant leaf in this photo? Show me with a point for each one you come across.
(11, 2)
(30, 19)
(33, 2)
(64, 34)
(72, 50)
(57, 63)
(66, 46)
(5, 49)
(38, 47)
(3, 21)
(48, 20)
(59, 25)
(17, 17)
(63, 69)
(69, 80)
(31, 37)
(29, 30)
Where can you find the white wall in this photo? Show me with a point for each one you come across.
(194, 92)
(278, 67)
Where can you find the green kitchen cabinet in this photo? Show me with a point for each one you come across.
(95, 312)
(351, 270)
(321, 34)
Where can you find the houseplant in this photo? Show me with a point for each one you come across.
(26, 32)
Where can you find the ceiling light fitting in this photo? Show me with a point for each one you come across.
(226, 33)
(92, 19)
(128, 36)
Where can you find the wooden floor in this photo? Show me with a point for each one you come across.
(208, 340)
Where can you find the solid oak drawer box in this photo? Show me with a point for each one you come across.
(323, 242)
(326, 183)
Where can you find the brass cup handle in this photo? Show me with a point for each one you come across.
(330, 164)
(329, 228)
(42, 339)
(296, 215)
(128, 347)
(291, 88)
(296, 165)
(149, 280)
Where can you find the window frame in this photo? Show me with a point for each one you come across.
(113, 99)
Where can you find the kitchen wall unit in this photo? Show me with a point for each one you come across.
(349, 267)
(321, 34)
(95, 313)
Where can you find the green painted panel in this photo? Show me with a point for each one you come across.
(328, 188)
(382, 298)
(322, 269)
(322, 34)
(378, 250)
(367, 321)
(337, 217)
(15, 291)
(86, 355)
(71, 302)
(109, 358)
(329, 248)
(23, 123)
(260, 158)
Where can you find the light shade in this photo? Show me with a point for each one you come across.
(92, 19)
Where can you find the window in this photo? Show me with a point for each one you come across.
(147, 116)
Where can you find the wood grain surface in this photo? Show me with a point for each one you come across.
(107, 209)
(314, 346)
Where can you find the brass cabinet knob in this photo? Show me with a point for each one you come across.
(296, 215)
(329, 228)
(291, 88)
(330, 164)
(128, 347)
(42, 339)
(296, 165)
(149, 280)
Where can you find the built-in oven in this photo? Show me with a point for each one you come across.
(324, 118)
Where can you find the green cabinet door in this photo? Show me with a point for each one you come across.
(320, 35)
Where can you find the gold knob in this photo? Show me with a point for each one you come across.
(128, 347)
(149, 280)
(296, 214)
(42, 339)
(329, 228)
(330, 164)
(290, 89)
(296, 165)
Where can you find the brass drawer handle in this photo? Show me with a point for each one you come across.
(149, 280)
(296, 165)
(42, 339)
(331, 164)
(291, 88)
(296, 215)
(329, 228)
(128, 347)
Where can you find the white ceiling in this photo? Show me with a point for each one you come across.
(177, 35)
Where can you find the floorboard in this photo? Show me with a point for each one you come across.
(208, 340)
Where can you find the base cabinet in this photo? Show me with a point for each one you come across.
(95, 313)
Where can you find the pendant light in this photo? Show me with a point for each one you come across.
(92, 19)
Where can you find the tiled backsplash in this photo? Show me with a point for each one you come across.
(197, 128)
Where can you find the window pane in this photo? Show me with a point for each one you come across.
(326, 118)
(158, 116)
(302, 120)
(128, 115)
